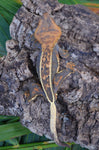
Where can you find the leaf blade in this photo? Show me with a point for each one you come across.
(12, 130)
(92, 5)
(8, 8)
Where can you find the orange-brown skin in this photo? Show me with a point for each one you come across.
(48, 33)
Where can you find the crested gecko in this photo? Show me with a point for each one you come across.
(48, 33)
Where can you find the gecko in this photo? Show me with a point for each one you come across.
(47, 34)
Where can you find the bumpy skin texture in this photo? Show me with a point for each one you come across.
(78, 99)
(48, 33)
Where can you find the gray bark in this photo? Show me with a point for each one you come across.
(78, 96)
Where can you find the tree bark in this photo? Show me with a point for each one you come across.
(78, 97)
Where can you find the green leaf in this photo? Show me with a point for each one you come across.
(83, 2)
(1, 144)
(78, 147)
(12, 130)
(57, 148)
(2, 51)
(69, 2)
(8, 8)
(92, 5)
(27, 142)
(32, 138)
(4, 27)
(6, 15)
(33, 146)
(8, 119)
(4, 35)
(12, 142)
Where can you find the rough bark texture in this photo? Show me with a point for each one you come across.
(78, 96)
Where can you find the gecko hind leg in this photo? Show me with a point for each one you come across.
(33, 90)
(60, 76)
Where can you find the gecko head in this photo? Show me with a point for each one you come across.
(47, 31)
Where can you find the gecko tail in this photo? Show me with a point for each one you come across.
(53, 125)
